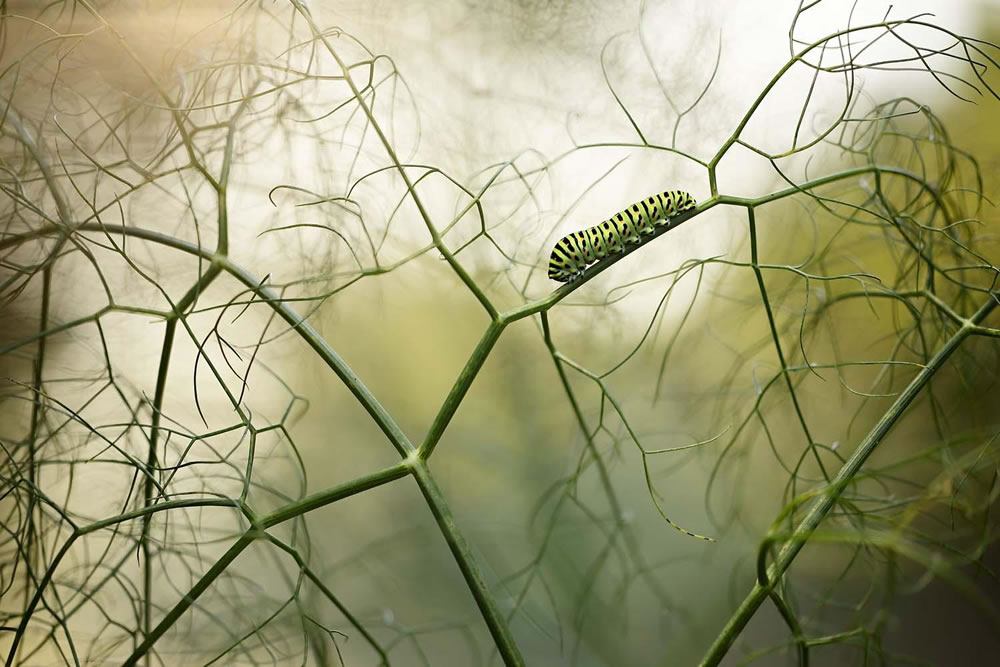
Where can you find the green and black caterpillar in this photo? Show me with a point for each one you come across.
(575, 252)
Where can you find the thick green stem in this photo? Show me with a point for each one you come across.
(332, 495)
(462, 552)
(188, 600)
(460, 388)
(828, 499)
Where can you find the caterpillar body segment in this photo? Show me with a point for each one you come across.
(575, 252)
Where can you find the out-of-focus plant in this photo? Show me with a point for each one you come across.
(128, 498)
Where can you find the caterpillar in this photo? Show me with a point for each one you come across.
(575, 252)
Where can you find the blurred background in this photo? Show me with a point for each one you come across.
(523, 121)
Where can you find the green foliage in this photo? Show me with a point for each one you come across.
(192, 471)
